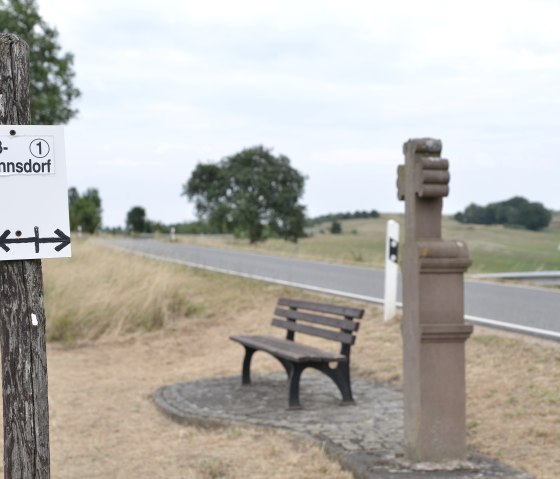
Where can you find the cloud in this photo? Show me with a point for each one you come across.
(124, 162)
(352, 157)
(335, 85)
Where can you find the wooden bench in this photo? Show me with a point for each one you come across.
(327, 321)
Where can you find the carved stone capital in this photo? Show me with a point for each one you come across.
(445, 333)
(443, 256)
(430, 173)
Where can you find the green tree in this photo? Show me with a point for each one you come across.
(85, 210)
(252, 193)
(52, 74)
(534, 216)
(73, 195)
(136, 220)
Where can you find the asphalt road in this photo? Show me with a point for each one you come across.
(526, 309)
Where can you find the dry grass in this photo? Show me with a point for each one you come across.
(101, 292)
(103, 420)
(513, 391)
(362, 241)
(104, 424)
(514, 400)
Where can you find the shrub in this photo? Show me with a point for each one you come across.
(516, 211)
(336, 228)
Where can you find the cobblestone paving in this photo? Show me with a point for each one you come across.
(366, 437)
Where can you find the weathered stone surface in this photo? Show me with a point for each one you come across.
(433, 329)
(366, 437)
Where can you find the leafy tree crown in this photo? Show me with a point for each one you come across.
(51, 71)
(136, 219)
(252, 193)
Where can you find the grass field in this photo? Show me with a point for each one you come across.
(126, 325)
(492, 248)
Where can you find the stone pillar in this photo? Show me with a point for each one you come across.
(433, 328)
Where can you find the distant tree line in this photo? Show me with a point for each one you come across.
(194, 228)
(516, 212)
(138, 222)
(335, 217)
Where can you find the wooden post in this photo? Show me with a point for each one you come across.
(22, 315)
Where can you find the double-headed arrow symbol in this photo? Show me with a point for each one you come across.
(61, 238)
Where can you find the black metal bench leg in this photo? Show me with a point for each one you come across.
(246, 374)
(288, 366)
(342, 373)
(293, 380)
(341, 377)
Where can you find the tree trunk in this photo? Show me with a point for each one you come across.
(22, 315)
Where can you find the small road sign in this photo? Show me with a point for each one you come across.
(391, 269)
(34, 220)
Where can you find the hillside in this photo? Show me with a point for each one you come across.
(493, 248)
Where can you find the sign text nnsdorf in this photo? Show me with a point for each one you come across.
(34, 220)
(26, 155)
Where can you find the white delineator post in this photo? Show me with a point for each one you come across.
(391, 269)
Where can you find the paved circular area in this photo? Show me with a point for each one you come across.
(366, 437)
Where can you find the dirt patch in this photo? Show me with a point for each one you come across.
(104, 423)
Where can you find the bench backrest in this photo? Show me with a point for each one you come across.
(327, 321)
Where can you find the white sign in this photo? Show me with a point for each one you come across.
(34, 221)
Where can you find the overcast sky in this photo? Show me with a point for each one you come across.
(335, 85)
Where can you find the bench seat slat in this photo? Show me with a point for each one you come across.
(289, 350)
(345, 324)
(322, 307)
(345, 338)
